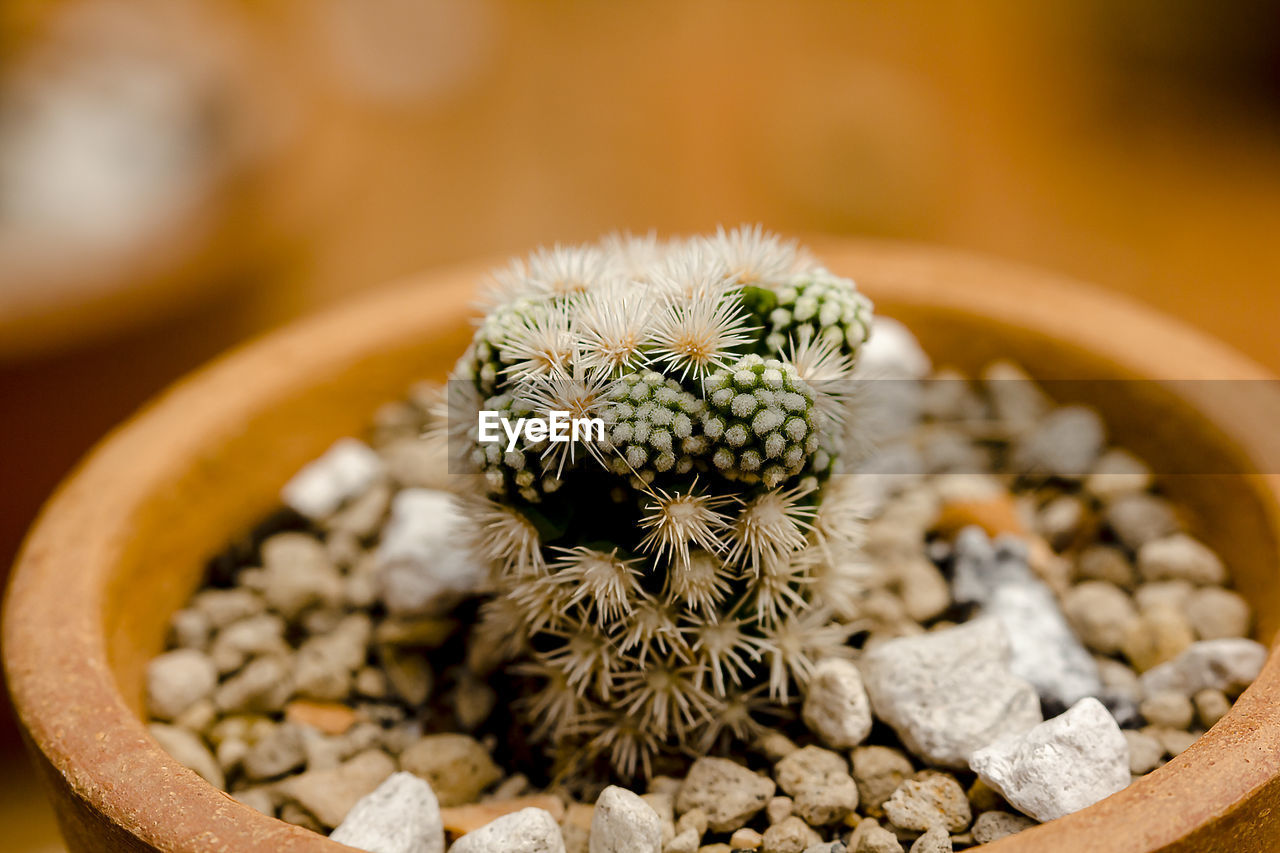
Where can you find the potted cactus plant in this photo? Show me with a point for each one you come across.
(668, 578)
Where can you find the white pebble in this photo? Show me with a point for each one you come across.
(836, 708)
(526, 831)
(345, 470)
(1060, 766)
(400, 816)
(624, 823)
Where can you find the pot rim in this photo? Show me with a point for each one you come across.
(75, 716)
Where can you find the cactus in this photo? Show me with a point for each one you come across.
(663, 587)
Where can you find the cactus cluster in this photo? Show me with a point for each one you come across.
(662, 587)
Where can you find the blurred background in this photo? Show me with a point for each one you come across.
(179, 175)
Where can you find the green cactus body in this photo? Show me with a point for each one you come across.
(659, 589)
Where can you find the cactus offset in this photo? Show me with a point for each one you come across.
(665, 586)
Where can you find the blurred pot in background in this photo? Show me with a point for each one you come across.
(135, 140)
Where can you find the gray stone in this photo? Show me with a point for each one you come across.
(276, 754)
(252, 636)
(624, 823)
(1101, 614)
(1228, 665)
(871, 837)
(1215, 613)
(177, 680)
(1060, 766)
(729, 793)
(1117, 473)
(526, 831)
(949, 692)
(836, 707)
(400, 816)
(1145, 752)
(1066, 443)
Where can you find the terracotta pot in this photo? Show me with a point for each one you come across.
(123, 543)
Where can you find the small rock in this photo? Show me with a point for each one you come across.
(1215, 613)
(457, 767)
(188, 750)
(254, 636)
(819, 782)
(745, 839)
(836, 707)
(1167, 708)
(624, 823)
(1104, 563)
(417, 462)
(1043, 649)
(1174, 741)
(1211, 706)
(400, 816)
(1060, 520)
(994, 825)
(774, 745)
(934, 801)
(1140, 518)
(664, 805)
(190, 629)
(221, 607)
(792, 835)
(878, 771)
(729, 793)
(1157, 594)
(1228, 665)
(263, 685)
(424, 562)
(297, 574)
(924, 591)
(529, 830)
(1066, 443)
(298, 816)
(345, 470)
(695, 819)
(936, 840)
(260, 799)
(1179, 557)
(178, 679)
(949, 692)
(363, 516)
(276, 754)
(779, 809)
(1159, 634)
(1060, 766)
(198, 717)
(871, 837)
(329, 794)
(683, 842)
(409, 673)
(1117, 473)
(1145, 752)
(1101, 614)
(1015, 398)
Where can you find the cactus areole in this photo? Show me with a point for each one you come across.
(668, 577)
